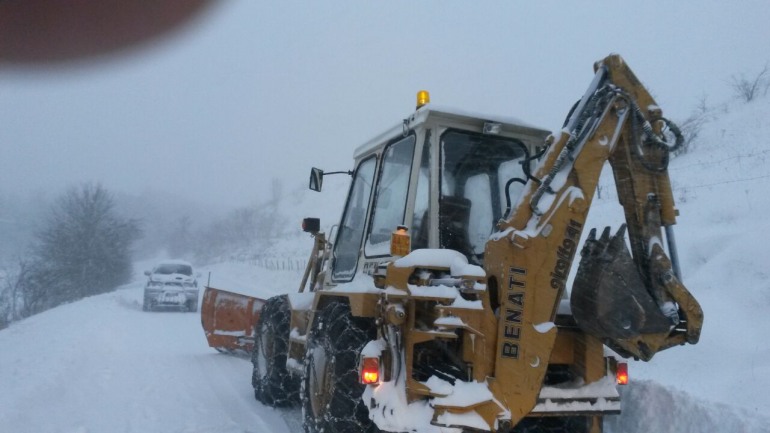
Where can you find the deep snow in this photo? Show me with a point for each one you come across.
(102, 365)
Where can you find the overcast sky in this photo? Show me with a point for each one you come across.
(256, 90)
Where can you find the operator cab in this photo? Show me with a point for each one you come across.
(441, 173)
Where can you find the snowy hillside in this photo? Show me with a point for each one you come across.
(722, 235)
(102, 365)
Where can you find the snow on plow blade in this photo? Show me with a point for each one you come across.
(228, 320)
(609, 298)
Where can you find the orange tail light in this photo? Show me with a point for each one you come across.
(370, 371)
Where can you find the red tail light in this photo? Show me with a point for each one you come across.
(621, 373)
(370, 371)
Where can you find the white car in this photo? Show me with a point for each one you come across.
(171, 284)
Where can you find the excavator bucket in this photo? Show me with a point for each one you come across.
(228, 320)
(609, 299)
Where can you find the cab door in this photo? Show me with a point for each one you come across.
(350, 234)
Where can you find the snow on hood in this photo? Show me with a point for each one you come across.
(453, 260)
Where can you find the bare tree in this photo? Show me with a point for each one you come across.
(237, 231)
(33, 289)
(7, 300)
(747, 89)
(248, 229)
(692, 126)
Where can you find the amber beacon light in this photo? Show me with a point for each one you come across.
(423, 97)
(400, 242)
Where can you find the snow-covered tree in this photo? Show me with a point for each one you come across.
(84, 249)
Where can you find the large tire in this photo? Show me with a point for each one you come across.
(331, 393)
(273, 385)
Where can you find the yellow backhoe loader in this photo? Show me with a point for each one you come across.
(439, 301)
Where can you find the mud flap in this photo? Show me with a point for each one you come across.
(609, 298)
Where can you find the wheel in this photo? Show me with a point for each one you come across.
(331, 393)
(192, 305)
(273, 385)
(146, 304)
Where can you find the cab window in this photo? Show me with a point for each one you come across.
(421, 217)
(474, 171)
(348, 244)
(390, 199)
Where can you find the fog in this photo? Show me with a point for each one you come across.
(251, 91)
(217, 124)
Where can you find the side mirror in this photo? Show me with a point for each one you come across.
(316, 179)
(147, 273)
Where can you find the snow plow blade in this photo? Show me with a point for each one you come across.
(228, 320)
(610, 299)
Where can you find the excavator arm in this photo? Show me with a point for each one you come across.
(633, 301)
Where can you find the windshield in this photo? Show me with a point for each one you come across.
(173, 268)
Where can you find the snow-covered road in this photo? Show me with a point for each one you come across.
(103, 365)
